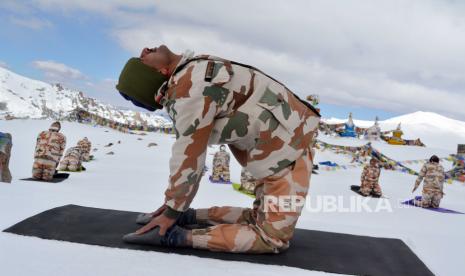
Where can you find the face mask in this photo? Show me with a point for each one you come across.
(139, 83)
(136, 103)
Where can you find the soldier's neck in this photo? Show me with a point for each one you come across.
(175, 59)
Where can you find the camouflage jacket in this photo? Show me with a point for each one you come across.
(50, 145)
(5, 142)
(433, 176)
(73, 153)
(370, 174)
(221, 158)
(216, 101)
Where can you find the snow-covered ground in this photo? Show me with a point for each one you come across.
(134, 178)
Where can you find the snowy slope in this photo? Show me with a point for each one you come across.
(433, 129)
(135, 178)
(22, 97)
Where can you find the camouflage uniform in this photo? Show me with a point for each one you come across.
(5, 152)
(369, 179)
(72, 160)
(49, 149)
(248, 182)
(433, 175)
(221, 166)
(267, 128)
(261, 229)
(86, 146)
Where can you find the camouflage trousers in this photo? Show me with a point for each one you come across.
(265, 228)
(70, 164)
(429, 199)
(221, 172)
(43, 169)
(369, 187)
(5, 175)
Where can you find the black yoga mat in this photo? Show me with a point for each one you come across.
(311, 250)
(356, 189)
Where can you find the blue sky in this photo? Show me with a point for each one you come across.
(83, 44)
(343, 58)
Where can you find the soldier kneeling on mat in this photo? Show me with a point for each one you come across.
(370, 179)
(72, 160)
(269, 130)
(221, 165)
(248, 182)
(86, 146)
(432, 175)
(5, 152)
(49, 149)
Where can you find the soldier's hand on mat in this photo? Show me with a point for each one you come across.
(162, 221)
(159, 211)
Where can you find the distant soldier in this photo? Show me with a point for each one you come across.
(5, 152)
(370, 179)
(433, 175)
(221, 165)
(49, 149)
(248, 182)
(86, 146)
(72, 160)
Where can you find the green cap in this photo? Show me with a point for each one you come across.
(140, 82)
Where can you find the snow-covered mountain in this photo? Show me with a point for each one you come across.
(433, 129)
(21, 97)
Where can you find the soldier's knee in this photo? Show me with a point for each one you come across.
(365, 192)
(47, 175)
(283, 234)
(37, 175)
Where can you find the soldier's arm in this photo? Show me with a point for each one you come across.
(441, 179)
(420, 177)
(443, 175)
(63, 146)
(194, 112)
(37, 142)
(364, 173)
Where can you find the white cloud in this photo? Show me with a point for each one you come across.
(394, 55)
(31, 22)
(3, 64)
(15, 6)
(58, 71)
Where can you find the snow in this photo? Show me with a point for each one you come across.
(134, 179)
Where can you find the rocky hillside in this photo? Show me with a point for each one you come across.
(21, 97)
